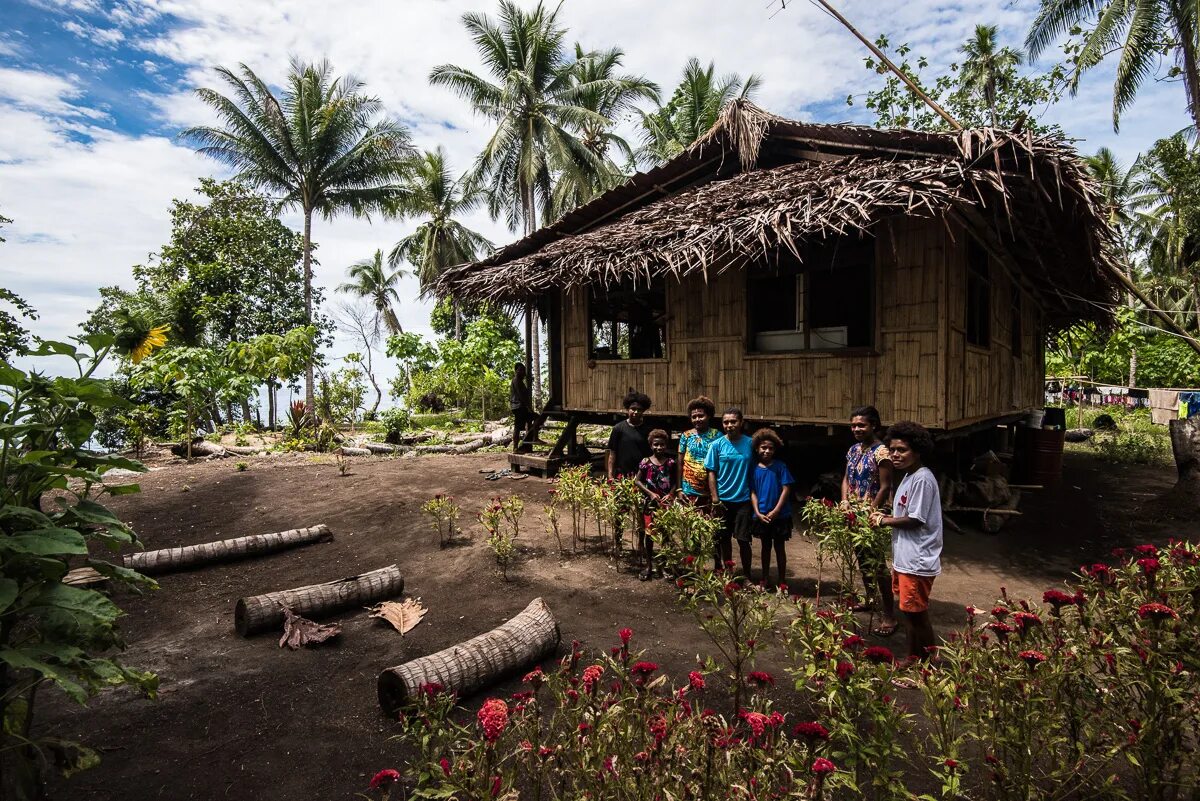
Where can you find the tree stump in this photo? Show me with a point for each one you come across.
(522, 642)
(1185, 446)
(168, 560)
(262, 612)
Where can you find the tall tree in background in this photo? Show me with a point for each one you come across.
(440, 241)
(611, 96)
(691, 111)
(376, 284)
(13, 335)
(1143, 30)
(1167, 201)
(530, 93)
(322, 146)
(987, 69)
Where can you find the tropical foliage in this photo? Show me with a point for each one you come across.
(691, 111)
(376, 284)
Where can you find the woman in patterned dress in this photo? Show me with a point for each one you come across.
(868, 476)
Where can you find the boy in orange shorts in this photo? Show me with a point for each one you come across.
(916, 523)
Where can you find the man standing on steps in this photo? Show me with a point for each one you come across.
(520, 401)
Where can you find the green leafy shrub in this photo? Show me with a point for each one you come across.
(1130, 447)
(395, 422)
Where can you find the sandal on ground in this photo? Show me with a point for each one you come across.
(518, 476)
(885, 631)
(863, 606)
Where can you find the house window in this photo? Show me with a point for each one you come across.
(627, 321)
(979, 296)
(822, 301)
(1015, 326)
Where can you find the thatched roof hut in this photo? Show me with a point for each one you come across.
(981, 242)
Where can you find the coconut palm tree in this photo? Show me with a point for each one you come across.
(691, 111)
(1140, 29)
(377, 285)
(441, 240)
(534, 101)
(321, 146)
(987, 70)
(610, 96)
(1117, 187)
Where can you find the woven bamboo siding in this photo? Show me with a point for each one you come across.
(707, 352)
(989, 382)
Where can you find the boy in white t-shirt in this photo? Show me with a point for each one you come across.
(916, 523)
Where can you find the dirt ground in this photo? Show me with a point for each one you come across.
(242, 719)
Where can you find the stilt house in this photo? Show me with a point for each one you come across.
(798, 270)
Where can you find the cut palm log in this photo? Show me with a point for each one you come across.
(468, 667)
(262, 612)
(350, 450)
(168, 560)
(1185, 446)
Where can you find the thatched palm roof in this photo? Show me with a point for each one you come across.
(757, 182)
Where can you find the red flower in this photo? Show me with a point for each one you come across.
(535, 677)
(1058, 598)
(642, 670)
(828, 504)
(822, 766)
(696, 679)
(1118, 553)
(1157, 611)
(810, 731)
(445, 763)
(1099, 571)
(384, 778)
(495, 786)
(951, 763)
(1146, 550)
(626, 635)
(999, 612)
(853, 641)
(1024, 620)
(1149, 565)
(761, 679)
(844, 669)
(1002, 629)
(591, 675)
(1032, 658)
(757, 722)
(493, 717)
(689, 560)
(545, 751)
(851, 519)
(584, 728)
(880, 654)
(430, 689)
(731, 588)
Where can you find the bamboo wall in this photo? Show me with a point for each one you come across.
(919, 369)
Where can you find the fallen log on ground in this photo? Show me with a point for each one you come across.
(382, 447)
(167, 560)
(468, 667)
(347, 450)
(200, 447)
(261, 612)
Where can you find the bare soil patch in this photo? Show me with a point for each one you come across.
(242, 718)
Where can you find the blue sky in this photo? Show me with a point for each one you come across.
(92, 94)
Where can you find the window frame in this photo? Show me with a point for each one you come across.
(666, 335)
(978, 297)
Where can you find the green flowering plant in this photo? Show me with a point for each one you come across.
(684, 536)
(843, 533)
(443, 513)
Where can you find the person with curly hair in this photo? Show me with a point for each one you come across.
(628, 444)
(868, 476)
(771, 501)
(916, 523)
(693, 449)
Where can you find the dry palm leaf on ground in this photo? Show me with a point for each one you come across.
(403, 615)
(299, 631)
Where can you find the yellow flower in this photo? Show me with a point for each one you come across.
(155, 338)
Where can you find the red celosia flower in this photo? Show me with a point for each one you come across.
(658, 727)
(642, 670)
(430, 689)
(496, 784)
(696, 680)
(1002, 629)
(689, 560)
(545, 751)
(591, 675)
(828, 504)
(853, 641)
(1024, 620)
(1057, 598)
(844, 669)
(1156, 611)
(535, 677)
(1146, 550)
(951, 763)
(731, 588)
(999, 612)
(493, 717)
(626, 635)
(1032, 658)
(761, 679)
(810, 731)
(445, 763)
(584, 728)
(384, 778)
(729, 564)
(1149, 565)
(821, 766)
(851, 519)
(880, 654)
(757, 722)
(1118, 553)
(1099, 571)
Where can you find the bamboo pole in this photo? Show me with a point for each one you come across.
(468, 667)
(167, 560)
(1165, 318)
(261, 612)
(945, 115)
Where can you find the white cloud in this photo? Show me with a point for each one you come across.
(105, 37)
(42, 92)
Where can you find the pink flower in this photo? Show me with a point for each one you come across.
(626, 635)
(757, 722)
(384, 778)
(696, 680)
(493, 717)
(810, 731)
(822, 766)
(879, 654)
(1157, 611)
(591, 675)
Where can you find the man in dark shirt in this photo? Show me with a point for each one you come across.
(627, 444)
(520, 402)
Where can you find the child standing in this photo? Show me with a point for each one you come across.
(728, 464)
(868, 476)
(693, 449)
(627, 443)
(771, 501)
(656, 480)
(916, 522)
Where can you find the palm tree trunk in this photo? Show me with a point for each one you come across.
(1184, 22)
(270, 405)
(310, 401)
(536, 367)
(457, 320)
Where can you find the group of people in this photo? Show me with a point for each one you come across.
(741, 480)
